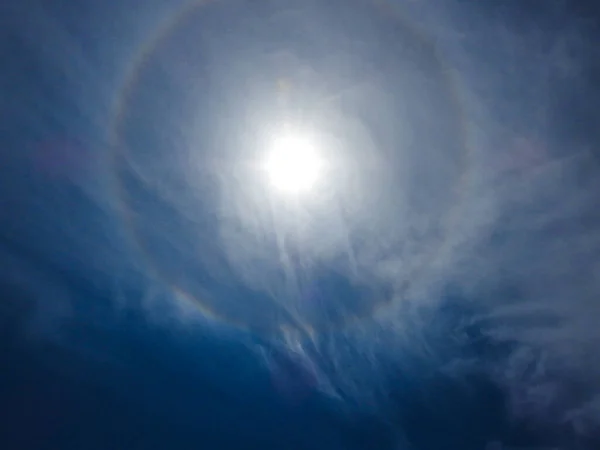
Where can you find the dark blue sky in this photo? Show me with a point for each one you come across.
(440, 295)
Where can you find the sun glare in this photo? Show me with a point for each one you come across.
(293, 163)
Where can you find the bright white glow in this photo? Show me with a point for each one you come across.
(293, 163)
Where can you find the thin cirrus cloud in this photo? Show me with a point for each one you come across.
(524, 252)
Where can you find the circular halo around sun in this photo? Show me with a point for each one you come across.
(376, 139)
(293, 163)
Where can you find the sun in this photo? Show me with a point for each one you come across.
(293, 163)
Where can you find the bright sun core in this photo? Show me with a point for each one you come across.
(293, 163)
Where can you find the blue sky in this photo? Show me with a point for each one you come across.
(437, 291)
